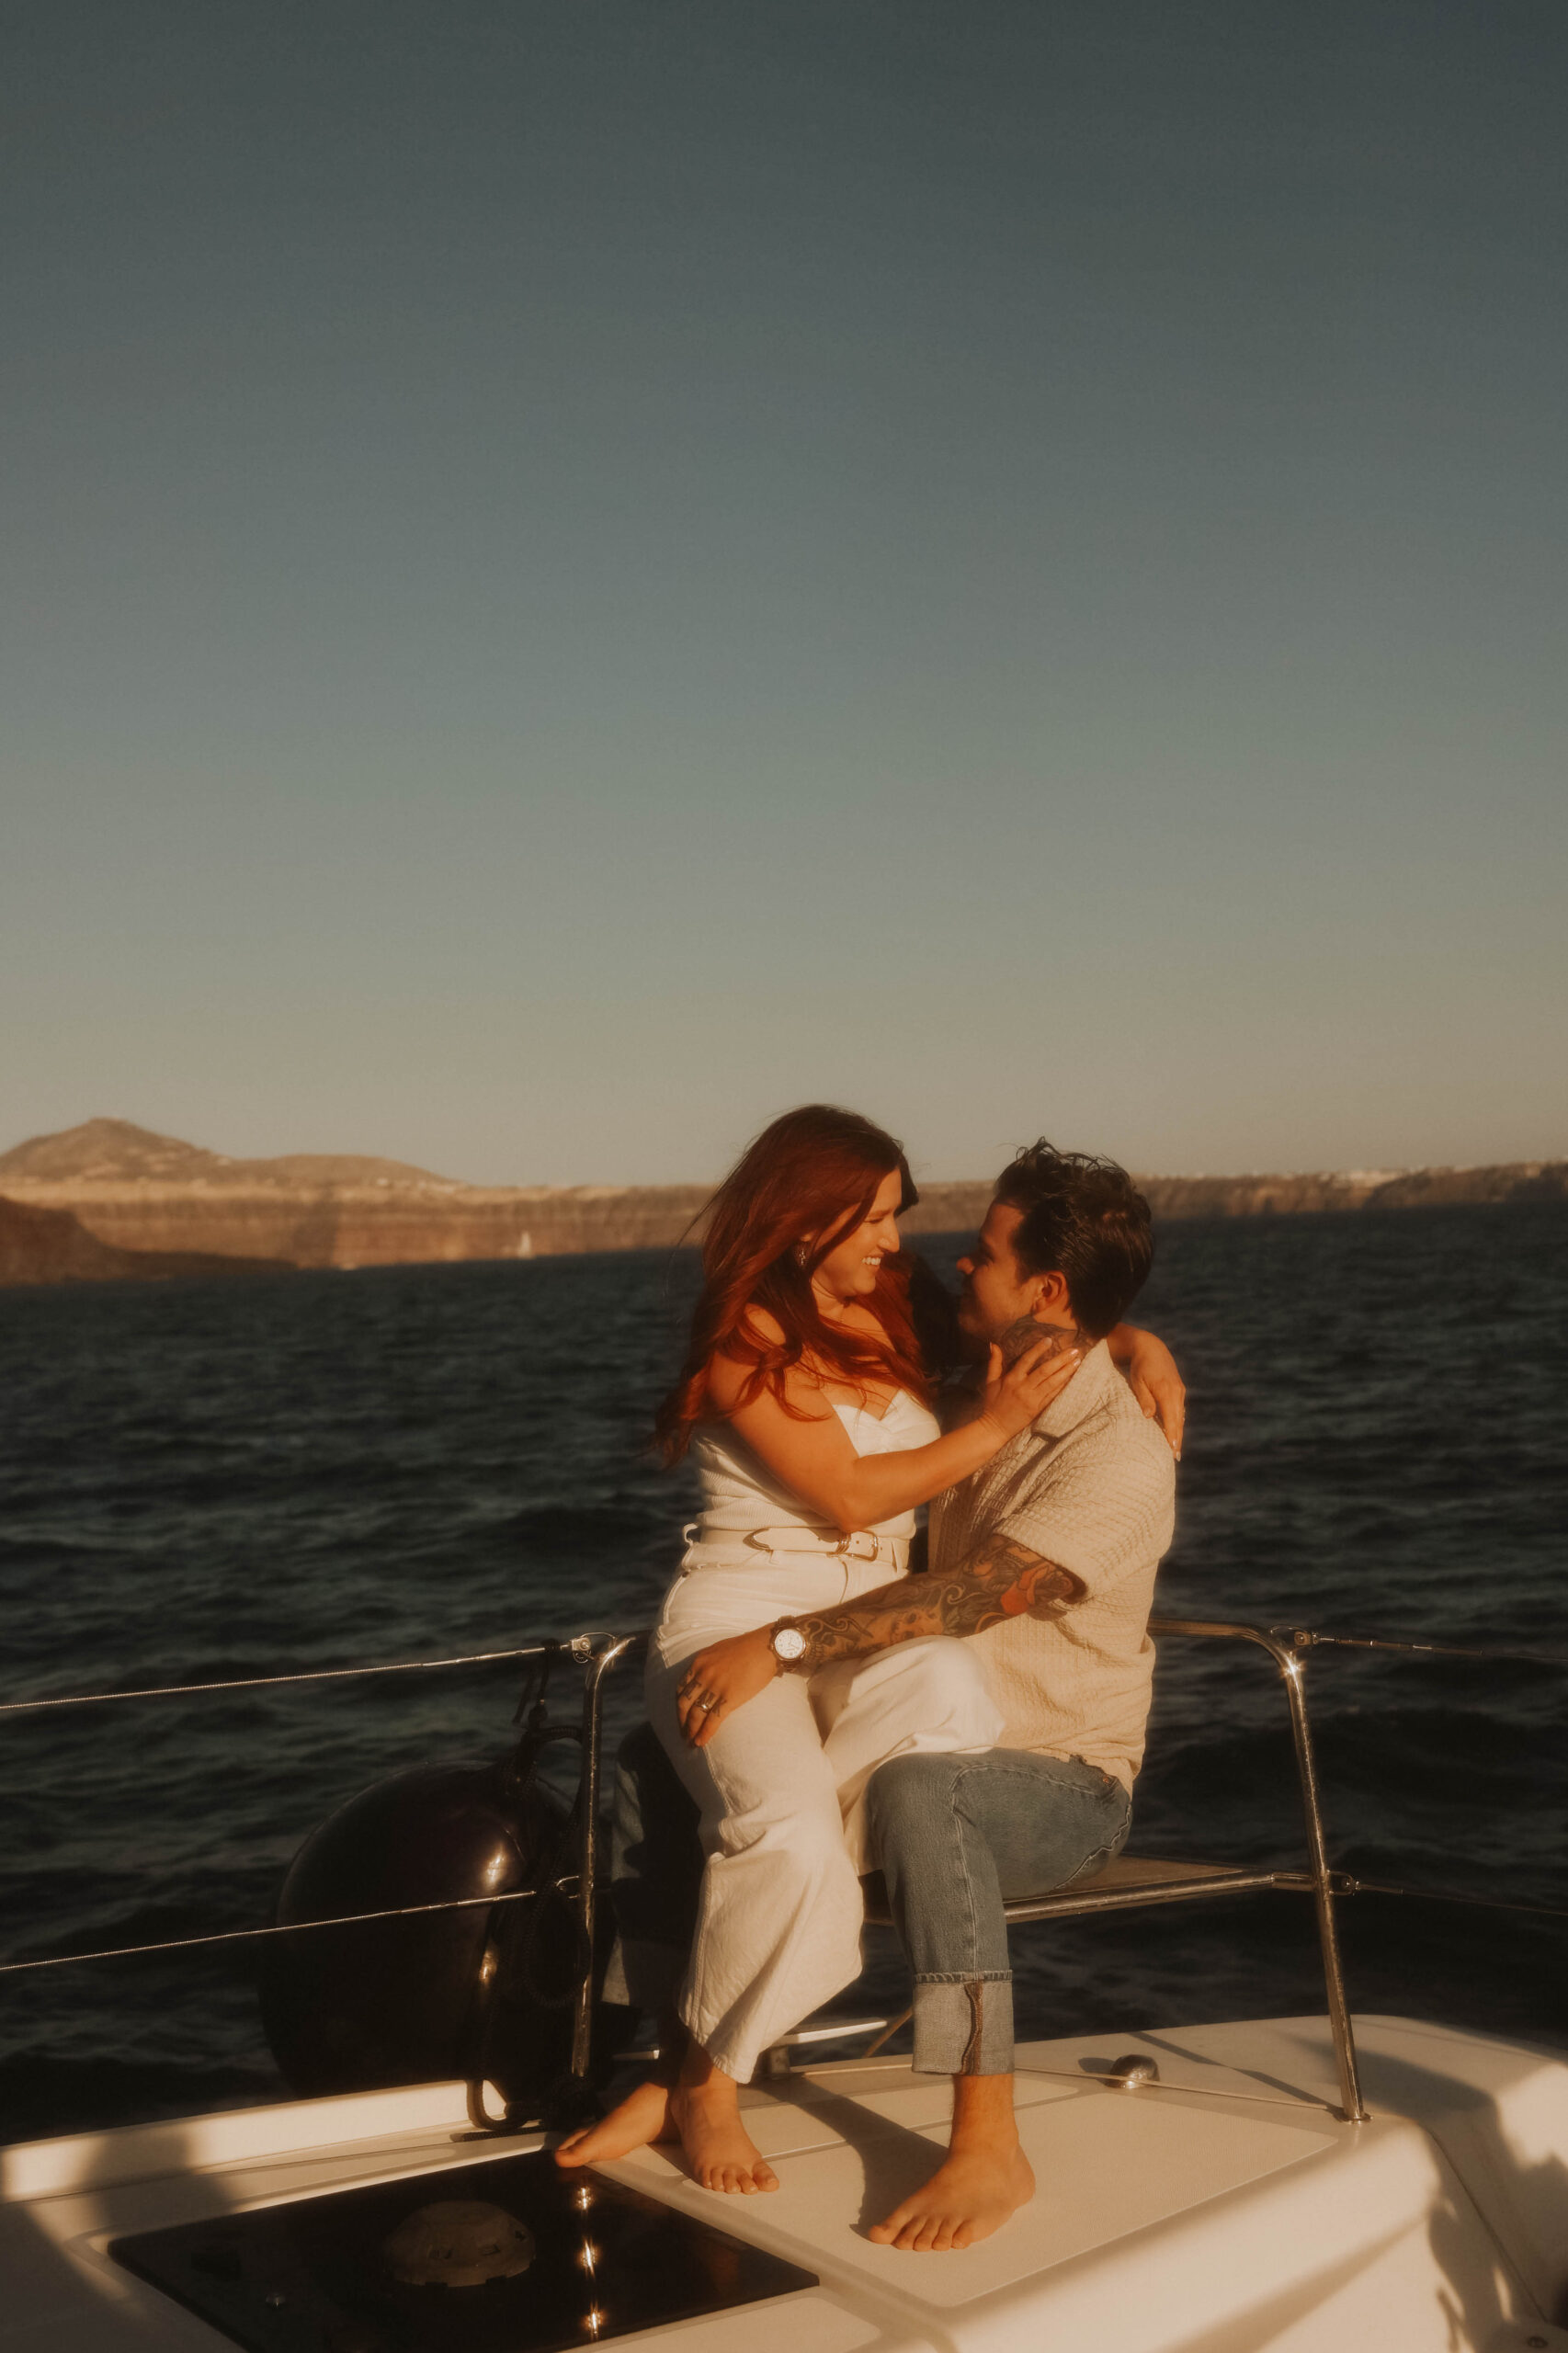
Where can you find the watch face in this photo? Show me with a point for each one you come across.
(788, 1641)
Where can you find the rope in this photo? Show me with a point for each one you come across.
(1201, 2091)
(536, 1650)
(1447, 1895)
(1423, 1650)
(260, 1682)
(288, 1928)
(527, 1894)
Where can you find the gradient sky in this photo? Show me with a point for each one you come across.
(575, 575)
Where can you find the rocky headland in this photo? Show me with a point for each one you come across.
(138, 1192)
(51, 1246)
(108, 1200)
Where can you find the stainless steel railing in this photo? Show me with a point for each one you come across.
(599, 1654)
(1292, 1663)
(1320, 1879)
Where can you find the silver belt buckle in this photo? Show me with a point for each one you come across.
(859, 1546)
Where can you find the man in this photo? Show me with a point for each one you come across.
(1046, 1559)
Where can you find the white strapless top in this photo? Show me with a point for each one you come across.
(740, 1492)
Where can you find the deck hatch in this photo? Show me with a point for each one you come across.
(318, 2275)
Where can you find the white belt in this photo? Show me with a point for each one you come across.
(859, 1546)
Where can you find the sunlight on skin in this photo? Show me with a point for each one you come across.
(985, 2177)
(700, 2109)
(643, 2118)
(980, 2184)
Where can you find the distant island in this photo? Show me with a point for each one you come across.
(112, 1202)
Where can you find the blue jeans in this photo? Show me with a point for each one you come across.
(956, 1837)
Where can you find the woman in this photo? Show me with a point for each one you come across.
(806, 1403)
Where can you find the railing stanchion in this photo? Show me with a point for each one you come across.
(1286, 1649)
(1292, 1669)
(598, 1665)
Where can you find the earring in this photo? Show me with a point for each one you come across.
(802, 1255)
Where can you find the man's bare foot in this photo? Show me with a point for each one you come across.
(705, 2109)
(642, 2116)
(971, 2194)
(983, 2179)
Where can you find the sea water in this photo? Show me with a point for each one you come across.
(201, 1481)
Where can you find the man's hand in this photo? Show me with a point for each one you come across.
(726, 1674)
(1155, 1384)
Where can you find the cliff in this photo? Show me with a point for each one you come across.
(950, 1208)
(139, 1191)
(141, 1196)
(40, 1246)
(1359, 1188)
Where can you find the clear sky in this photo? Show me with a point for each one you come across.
(576, 573)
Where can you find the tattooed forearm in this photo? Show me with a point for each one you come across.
(1001, 1579)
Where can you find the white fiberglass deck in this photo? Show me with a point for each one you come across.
(1222, 2210)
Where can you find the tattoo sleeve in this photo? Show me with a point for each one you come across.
(1000, 1579)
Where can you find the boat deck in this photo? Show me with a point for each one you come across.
(1226, 2207)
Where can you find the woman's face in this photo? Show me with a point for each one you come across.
(849, 1270)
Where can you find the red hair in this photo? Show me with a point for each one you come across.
(816, 1171)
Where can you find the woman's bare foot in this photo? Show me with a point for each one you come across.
(972, 2193)
(705, 2109)
(985, 2178)
(642, 2116)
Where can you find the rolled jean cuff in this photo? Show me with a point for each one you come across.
(963, 2025)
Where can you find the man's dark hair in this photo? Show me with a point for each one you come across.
(1084, 1219)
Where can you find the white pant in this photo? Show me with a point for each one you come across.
(781, 1784)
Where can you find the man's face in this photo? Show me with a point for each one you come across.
(996, 1290)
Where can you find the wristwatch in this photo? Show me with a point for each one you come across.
(789, 1644)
